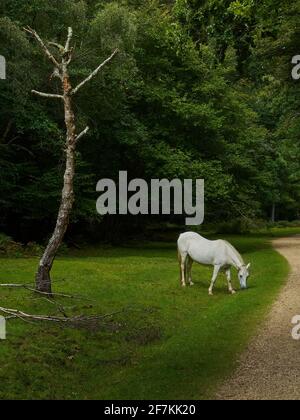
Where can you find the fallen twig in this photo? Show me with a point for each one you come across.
(31, 289)
(60, 308)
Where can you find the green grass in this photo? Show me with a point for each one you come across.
(169, 343)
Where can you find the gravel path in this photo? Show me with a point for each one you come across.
(270, 367)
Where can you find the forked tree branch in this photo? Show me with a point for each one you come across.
(72, 321)
(14, 313)
(43, 45)
(95, 72)
(47, 95)
(56, 45)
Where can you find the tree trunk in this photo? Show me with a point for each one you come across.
(273, 214)
(43, 279)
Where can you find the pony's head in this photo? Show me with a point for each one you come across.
(243, 275)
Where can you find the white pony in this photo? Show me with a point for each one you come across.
(221, 254)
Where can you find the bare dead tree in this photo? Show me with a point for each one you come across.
(65, 53)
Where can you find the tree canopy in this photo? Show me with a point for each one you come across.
(200, 89)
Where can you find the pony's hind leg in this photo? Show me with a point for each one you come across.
(182, 266)
(189, 265)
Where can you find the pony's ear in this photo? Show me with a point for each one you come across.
(248, 266)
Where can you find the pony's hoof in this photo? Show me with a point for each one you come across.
(233, 292)
(192, 284)
(183, 285)
(210, 293)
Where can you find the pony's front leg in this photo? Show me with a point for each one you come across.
(214, 278)
(230, 288)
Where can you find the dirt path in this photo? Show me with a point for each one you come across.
(270, 367)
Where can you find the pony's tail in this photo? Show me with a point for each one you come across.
(179, 256)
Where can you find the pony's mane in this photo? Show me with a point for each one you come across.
(235, 251)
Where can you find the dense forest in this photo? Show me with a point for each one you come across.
(199, 89)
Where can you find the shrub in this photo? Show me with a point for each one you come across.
(8, 247)
(286, 224)
(240, 226)
(33, 249)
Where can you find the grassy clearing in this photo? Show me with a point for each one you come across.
(169, 343)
